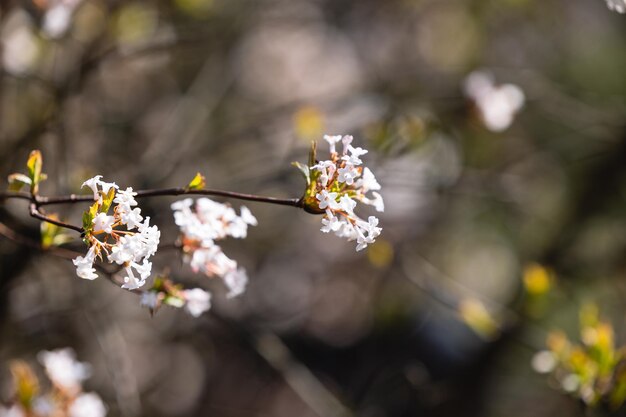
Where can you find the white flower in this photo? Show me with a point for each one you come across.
(198, 301)
(21, 49)
(618, 6)
(332, 140)
(63, 369)
(247, 217)
(125, 197)
(497, 104)
(131, 218)
(137, 246)
(330, 223)
(327, 199)
(84, 265)
(132, 247)
(367, 232)
(204, 223)
(58, 17)
(103, 223)
(349, 184)
(367, 181)
(327, 170)
(348, 174)
(14, 411)
(347, 204)
(87, 405)
(42, 406)
(544, 362)
(94, 182)
(182, 204)
(211, 220)
(236, 281)
(106, 186)
(212, 261)
(346, 141)
(377, 201)
(149, 299)
(355, 154)
(131, 282)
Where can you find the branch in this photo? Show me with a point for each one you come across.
(34, 212)
(37, 201)
(73, 198)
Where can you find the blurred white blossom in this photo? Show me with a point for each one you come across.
(58, 17)
(198, 301)
(497, 105)
(201, 224)
(20, 46)
(64, 370)
(618, 6)
(87, 405)
(13, 411)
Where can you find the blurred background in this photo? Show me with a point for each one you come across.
(505, 196)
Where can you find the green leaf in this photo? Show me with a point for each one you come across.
(61, 239)
(88, 217)
(18, 181)
(107, 200)
(174, 301)
(34, 165)
(197, 183)
(53, 235)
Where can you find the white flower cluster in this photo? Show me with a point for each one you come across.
(618, 6)
(197, 301)
(130, 247)
(340, 182)
(497, 104)
(203, 223)
(67, 376)
(64, 370)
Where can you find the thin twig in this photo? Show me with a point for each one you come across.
(37, 201)
(34, 212)
(74, 198)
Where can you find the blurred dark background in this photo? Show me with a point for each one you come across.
(434, 319)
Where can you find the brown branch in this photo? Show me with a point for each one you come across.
(4, 195)
(73, 198)
(37, 201)
(34, 212)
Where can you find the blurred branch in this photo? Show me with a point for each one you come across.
(299, 377)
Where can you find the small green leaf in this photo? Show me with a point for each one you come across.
(53, 235)
(88, 217)
(34, 165)
(174, 301)
(18, 181)
(61, 239)
(107, 200)
(197, 183)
